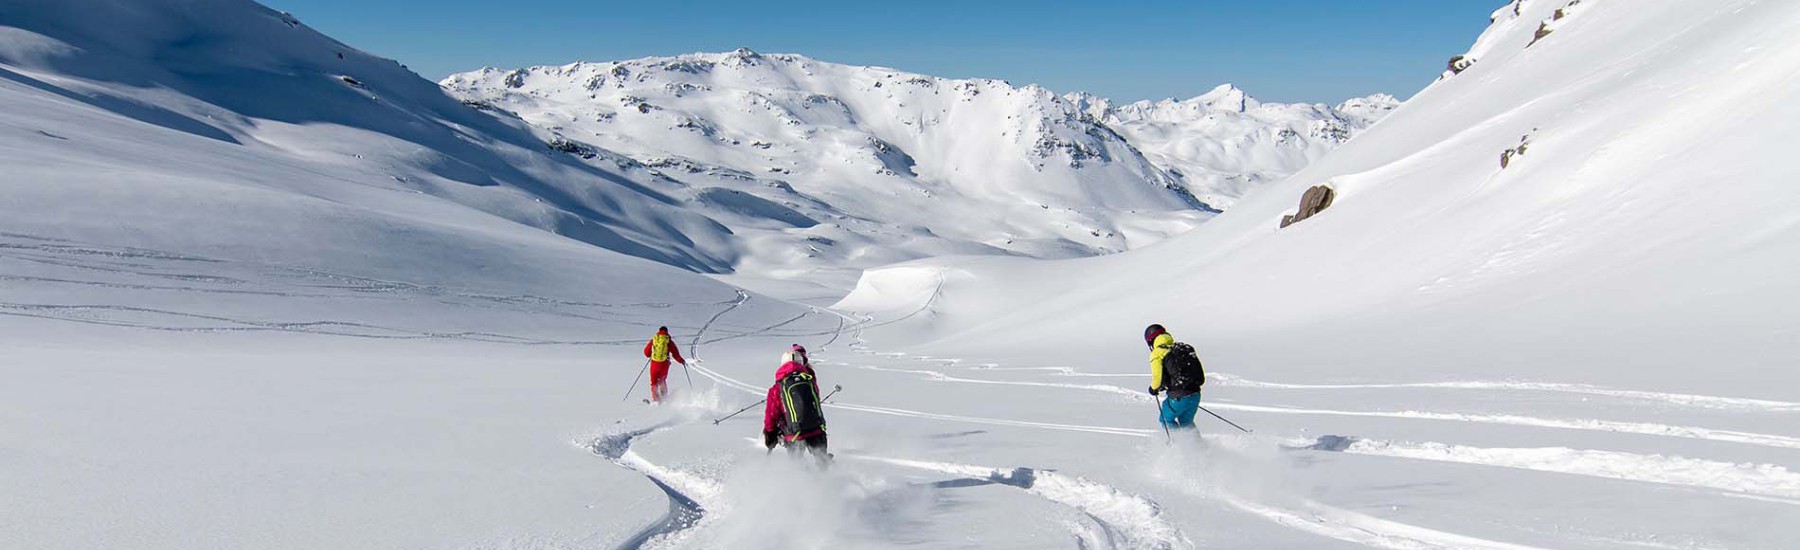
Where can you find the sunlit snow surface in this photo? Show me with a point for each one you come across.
(224, 330)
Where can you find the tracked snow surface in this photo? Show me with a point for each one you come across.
(259, 289)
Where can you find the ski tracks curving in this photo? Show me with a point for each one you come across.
(1126, 520)
(684, 511)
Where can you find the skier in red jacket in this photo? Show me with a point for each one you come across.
(660, 349)
(794, 414)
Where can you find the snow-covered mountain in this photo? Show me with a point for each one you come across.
(1225, 144)
(257, 295)
(264, 100)
(919, 165)
(257, 285)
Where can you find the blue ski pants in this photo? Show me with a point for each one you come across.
(1178, 412)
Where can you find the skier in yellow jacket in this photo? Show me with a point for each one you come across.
(660, 349)
(1174, 367)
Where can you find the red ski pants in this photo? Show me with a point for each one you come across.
(659, 380)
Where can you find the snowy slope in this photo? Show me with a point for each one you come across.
(880, 166)
(257, 79)
(1646, 195)
(1506, 320)
(247, 337)
(249, 303)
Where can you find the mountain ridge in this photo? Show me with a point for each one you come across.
(1169, 132)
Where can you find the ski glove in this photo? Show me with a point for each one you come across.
(1154, 391)
(769, 439)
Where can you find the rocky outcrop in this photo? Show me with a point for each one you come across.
(1315, 200)
(1459, 64)
(1507, 156)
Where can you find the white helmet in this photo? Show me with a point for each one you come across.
(796, 354)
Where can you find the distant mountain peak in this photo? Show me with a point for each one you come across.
(1227, 97)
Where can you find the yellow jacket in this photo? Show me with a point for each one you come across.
(1159, 348)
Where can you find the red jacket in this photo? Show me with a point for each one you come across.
(674, 352)
(774, 415)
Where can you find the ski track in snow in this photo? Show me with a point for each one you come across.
(1326, 521)
(1138, 521)
(1683, 399)
(694, 345)
(1764, 482)
(728, 381)
(1120, 516)
(1640, 428)
(1757, 480)
(942, 377)
(1348, 526)
(1129, 521)
(685, 510)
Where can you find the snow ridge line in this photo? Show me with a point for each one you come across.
(1691, 400)
(1764, 480)
(1135, 518)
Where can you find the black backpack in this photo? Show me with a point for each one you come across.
(800, 402)
(1181, 369)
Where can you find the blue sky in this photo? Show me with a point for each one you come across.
(1277, 50)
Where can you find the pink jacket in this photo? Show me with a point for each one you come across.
(774, 416)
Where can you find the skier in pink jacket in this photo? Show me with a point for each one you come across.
(794, 414)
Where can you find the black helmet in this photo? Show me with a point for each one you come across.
(1151, 332)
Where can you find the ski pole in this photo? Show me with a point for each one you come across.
(1159, 412)
(834, 391)
(690, 375)
(1216, 415)
(634, 381)
(740, 411)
